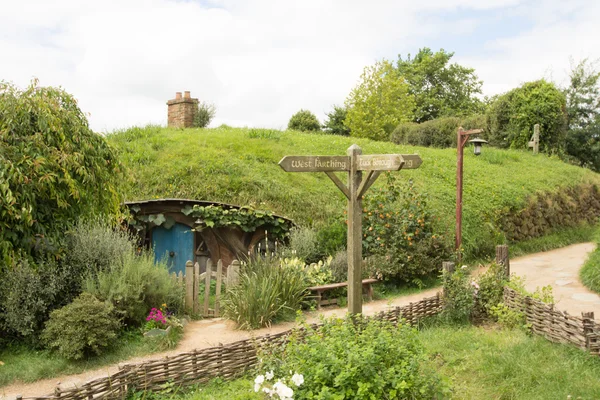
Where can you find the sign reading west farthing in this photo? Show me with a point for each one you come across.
(354, 164)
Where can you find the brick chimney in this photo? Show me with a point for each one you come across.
(182, 110)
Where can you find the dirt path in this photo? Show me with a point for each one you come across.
(559, 268)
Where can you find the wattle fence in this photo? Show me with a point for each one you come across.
(200, 366)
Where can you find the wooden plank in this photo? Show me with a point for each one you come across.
(314, 163)
(207, 286)
(338, 183)
(411, 161)
(196, 288)
(218, 292)
(354, 234)
(189, 286)
(368, 182)
(380, 162)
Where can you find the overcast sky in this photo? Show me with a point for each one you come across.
(259, 61)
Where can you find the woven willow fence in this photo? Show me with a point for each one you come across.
(200, 366)
(556, 326)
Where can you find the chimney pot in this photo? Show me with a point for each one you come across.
(186, 94)
(177, 95)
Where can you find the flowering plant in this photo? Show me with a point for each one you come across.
(156, 319)
(279, 388)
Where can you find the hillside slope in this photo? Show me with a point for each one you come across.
(238, 165)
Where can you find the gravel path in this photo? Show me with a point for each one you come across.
(558, 268)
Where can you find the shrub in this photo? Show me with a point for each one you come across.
(398, 228)
(304, 121)
(490, 290)
(439, 132)
(590, 272)
(30, 290)
(334, 124)
(332, 237)
(303, 244)
(458, 296)
(355, 359)
(134, 285)
(206, 112)
(84, 327)
(511, 117)
(53, 170)
(339, 266)
(267, 290)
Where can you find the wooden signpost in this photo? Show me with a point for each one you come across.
(354, 163)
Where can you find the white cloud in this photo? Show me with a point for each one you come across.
(260, 61)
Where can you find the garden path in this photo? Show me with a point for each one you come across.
(558, 268)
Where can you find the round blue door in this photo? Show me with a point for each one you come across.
(174, 245)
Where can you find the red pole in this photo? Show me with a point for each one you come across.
(459, 189)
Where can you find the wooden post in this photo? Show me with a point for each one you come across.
(448, 267)
(207, 286)
(503, 259)
(354, 233)
(534, 142)
(189, 286)
(459, 190)
(218, 291)
(196, 288)
(233, 272)
(588, 326)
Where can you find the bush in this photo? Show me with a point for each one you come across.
(355, 359)
(84, 327)
(304, 121)
(590, 272)
(511, 117)
(439, 132)
(267, 290)
(206, 112)
(334, 124)
(29, 291)
(332, 237)
(303, 244)
(339, 266)
(53, 170)
(398, 231)
(458, 296)
(490, 291)
(134, 285)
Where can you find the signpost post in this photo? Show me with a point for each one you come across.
(354, 163)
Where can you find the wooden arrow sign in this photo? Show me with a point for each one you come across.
(411, 161)
(380, 162)
(315, 163)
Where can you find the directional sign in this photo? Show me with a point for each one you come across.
(380, 162)
(411, 161)
(315, 163)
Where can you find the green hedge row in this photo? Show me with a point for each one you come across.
(439, 132)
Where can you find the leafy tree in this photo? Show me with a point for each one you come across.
(440, 88)
(335, 122)
(206, 112)
(511, 117)
(379, 102)
(304, 121)
(584, 145)
(583, 94)
(53, 169)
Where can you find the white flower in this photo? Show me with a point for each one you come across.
(270, 375)
(282, 390)
(259, 379)
(464, 267)
(298, 379)
(256, 387)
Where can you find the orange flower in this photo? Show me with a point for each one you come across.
(370, 228)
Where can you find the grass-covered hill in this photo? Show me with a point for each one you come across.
(240, 166)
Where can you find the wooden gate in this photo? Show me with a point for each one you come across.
(194, 281)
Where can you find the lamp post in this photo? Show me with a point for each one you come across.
(462, 138)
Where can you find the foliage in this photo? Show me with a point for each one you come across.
(339, 266)
(277, 387)
(509, 317)
(332, 237)
(134, 285)
(225, 165)
(440, 132)
(267, 291)
(315, 274)
(583, 144)
(334, 124)
(379, 102)
(245, 218)
(490, 291)
(583, 94)
(399, 228)
(303, 244)
(590, 272)
(440, 88)
(81, 328)
(543, 294)
(205, 114)
(357, 359)
(458, 296)
(30, 290)
(304, 121)
(511, 117)
(262, 133)
(53, 169)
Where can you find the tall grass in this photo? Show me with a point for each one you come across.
(267, 291)
(590, 272)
